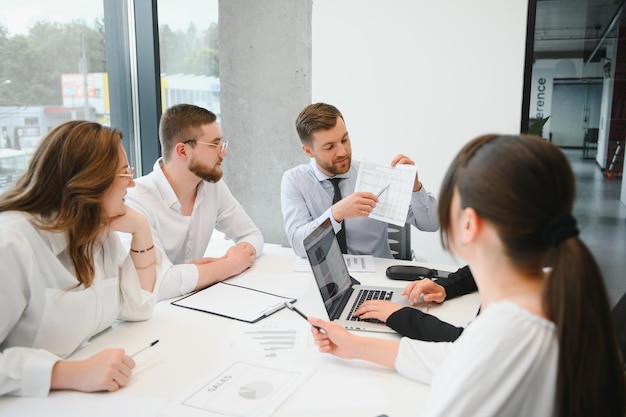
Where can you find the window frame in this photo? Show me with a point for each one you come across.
(133, 67)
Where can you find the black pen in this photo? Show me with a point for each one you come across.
(301, 314)
(144, 348)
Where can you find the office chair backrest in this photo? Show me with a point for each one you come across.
(400, 241)
(592, 135)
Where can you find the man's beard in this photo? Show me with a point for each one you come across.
(333, 169)
(211, 175)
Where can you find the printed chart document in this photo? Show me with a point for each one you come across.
(234, 301)
(270, 340)
(397, 183)
(360, 263)
(242, 389)
(355, 263)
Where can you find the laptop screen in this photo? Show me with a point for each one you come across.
(329, 267)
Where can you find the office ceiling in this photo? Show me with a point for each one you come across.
(575, 28)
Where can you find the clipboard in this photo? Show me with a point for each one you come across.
(234, 302)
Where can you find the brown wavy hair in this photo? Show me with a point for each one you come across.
(520, 184)
(68, 175)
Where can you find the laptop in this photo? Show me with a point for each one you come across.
(341, 293)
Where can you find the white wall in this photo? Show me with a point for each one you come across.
(420, 78)
(607, 108)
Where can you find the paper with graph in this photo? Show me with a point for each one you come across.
(394, 185)
(241, 389)
(269, 340)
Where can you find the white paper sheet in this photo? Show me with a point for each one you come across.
(393, 203)
(268, 340)
(242, 389)
(233, 301)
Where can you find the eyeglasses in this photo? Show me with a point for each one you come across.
(129, 172)
(223, 145)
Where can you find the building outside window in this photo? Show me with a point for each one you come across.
(53, 68)
(189, 53)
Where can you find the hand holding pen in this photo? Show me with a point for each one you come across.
(336, 340)
(107, 370)
(301, 314)
(383, 190)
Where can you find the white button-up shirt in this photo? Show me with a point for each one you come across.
(44, 315)
(185, 238)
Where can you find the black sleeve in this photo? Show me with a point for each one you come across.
(458, 283)
(415, 324)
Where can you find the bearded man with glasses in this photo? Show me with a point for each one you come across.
(184, 200)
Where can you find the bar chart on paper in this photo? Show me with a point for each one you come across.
(268, 339)
(272, 341)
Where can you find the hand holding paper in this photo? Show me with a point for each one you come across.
(394, 183)
(405, 160)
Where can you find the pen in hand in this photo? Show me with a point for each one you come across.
(383, 190)
(301, 314)
(144, 348)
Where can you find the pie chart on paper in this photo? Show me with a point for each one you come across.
(256, 390)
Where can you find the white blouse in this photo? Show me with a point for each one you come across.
(44, 315)
(504, 364)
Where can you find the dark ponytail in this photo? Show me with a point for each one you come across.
(525, 187)
(590, 379)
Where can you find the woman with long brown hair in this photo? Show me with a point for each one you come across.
(543, 344)
(65, 275)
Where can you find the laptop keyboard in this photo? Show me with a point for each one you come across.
(366, 295)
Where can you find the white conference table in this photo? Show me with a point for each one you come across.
(194, 345)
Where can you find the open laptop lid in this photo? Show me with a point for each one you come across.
(329, 268)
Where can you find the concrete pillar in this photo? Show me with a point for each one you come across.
(265, 76)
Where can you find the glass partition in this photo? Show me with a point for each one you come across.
(574, 80)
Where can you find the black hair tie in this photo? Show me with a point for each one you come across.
(559, 229)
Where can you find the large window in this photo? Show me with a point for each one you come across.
(189, 53)
(52, 69)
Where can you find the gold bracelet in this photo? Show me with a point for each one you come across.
(138, 268)
(142, 250)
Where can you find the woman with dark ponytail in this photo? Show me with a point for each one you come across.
(544, 343)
